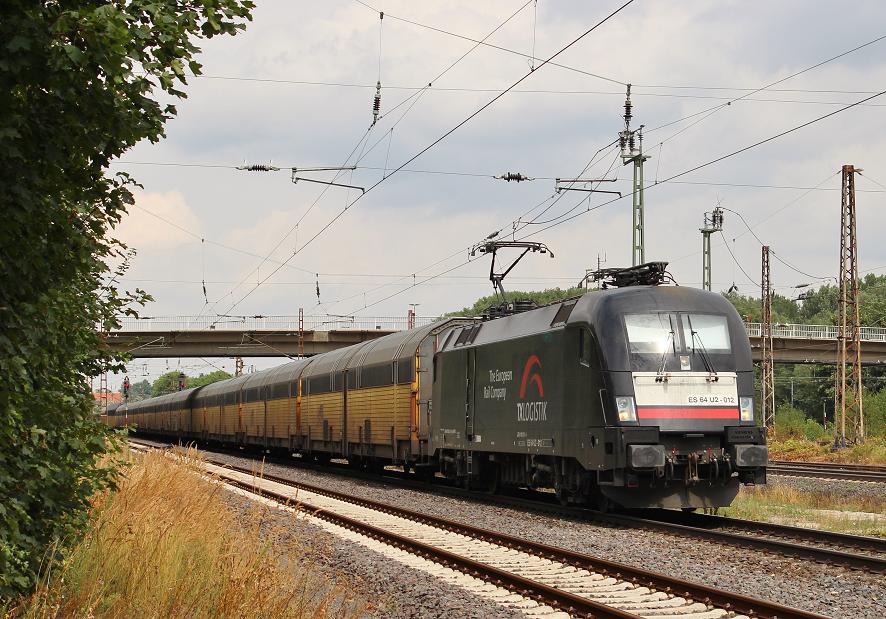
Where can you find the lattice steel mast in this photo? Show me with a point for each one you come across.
(849, 384)
(767, 388)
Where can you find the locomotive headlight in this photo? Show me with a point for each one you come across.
(746, 405)
(627, 411)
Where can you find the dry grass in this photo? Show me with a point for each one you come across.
(785, 505)
(872, 451)
(169, 543)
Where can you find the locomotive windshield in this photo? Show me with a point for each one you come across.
(706, 332)
(649, 333)
(657, 333)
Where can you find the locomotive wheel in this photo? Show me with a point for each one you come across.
(492, 478)
(563, 495)
(602, 503)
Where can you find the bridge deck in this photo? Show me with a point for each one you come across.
(278, 336)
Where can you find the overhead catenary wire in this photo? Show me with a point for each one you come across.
(718, 108)
(414, 98)
(515, 224)
(210, 241)
(660, 145)
(267, 257)
(534, 29)
(445, 135)
(491, 176)
(364, 153)
(490, 45)
(771, 214)
(670, 179)
(736, 262)
(723, 157)
(550, 91)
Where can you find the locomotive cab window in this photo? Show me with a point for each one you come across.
(706, 333)
(585, 347)
(650, 333)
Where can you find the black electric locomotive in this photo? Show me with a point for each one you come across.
(637, 396)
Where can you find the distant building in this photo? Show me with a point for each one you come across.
(114, 398)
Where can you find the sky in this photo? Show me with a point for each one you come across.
(296, 89)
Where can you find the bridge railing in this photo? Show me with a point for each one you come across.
(815, 332)
(400, 323)
(269, 323)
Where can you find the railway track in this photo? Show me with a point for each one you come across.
(838, 549)
(829, 470)
(574, 583)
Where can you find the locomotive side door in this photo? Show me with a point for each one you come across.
(470, 383)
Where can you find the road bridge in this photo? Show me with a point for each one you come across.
(278, 336)
(248, 336)
(815, 343)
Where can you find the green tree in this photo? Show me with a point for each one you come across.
(540, 297)
(167, 383)
(140, 391)
(79, 83)
(208, 379)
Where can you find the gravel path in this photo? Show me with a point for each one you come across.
(818, 588)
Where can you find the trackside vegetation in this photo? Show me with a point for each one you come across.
(80, 84)
(169, 542)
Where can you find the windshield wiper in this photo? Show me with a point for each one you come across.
(660, 375)
(704, 356)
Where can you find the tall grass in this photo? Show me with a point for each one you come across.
(862, 515)
(872, 451)
(169, 543)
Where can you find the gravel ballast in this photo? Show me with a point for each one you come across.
(827, 590)
(382, 587)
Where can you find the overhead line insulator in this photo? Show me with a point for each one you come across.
(258, 167)
(517, 177)
(376, 104)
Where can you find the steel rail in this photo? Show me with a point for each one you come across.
(701, 593)
(875, 544)
(665, 522)
(852, 472)
(848, 466)
(545, 594)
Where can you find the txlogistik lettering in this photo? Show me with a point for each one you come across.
(532, 411)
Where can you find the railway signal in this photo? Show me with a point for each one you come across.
(126, 386)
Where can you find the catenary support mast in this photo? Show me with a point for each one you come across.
(631, 144)
(713, 222)
(767, 390)
(849, 385)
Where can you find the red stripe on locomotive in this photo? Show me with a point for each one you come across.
(686, 412)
